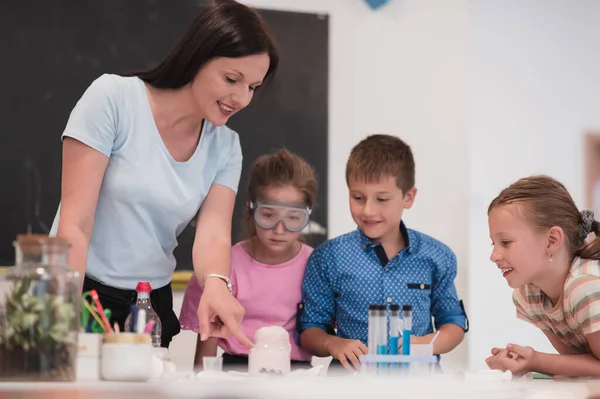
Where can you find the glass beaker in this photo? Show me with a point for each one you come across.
(39, 312)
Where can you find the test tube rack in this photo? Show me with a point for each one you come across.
(397, 359)
(399, 364)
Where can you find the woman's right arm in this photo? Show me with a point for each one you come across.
(88, 141)
(82, 173)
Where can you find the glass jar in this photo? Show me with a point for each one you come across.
(271, 353)
(39, 312)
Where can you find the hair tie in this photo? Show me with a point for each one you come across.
(587, 221)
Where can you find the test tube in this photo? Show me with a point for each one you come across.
(394, 328)
(407, 330)
(373, 333)
(382, 331)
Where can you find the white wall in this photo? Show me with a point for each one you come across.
(534, 89)
(399, 70)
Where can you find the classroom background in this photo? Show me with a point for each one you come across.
(485, 92)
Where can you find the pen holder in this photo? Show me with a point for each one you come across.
(399, 364)
(126, 357)
(88, 356)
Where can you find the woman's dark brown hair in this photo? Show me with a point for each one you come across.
(225, 29)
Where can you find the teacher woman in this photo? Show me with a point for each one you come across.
(144, 154)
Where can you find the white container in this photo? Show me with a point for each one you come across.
(271, 352)
(161, 362)
(421, 349)
(127, 357)
(88, 356)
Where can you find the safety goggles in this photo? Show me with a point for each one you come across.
(268, 215)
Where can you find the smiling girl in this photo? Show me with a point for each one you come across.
(539, 244)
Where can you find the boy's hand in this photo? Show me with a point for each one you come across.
(346, 350)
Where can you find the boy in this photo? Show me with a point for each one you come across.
(380, 262)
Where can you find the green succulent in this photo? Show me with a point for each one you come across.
(35, 321)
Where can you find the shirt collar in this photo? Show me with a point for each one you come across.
(408, 235)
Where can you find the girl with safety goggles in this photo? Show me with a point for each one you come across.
(267, 268)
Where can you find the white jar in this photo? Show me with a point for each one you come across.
(126, 357)
(271, 352)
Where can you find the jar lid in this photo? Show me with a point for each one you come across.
(126, 338)
(31, 242)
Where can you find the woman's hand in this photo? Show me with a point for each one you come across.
(219, 313)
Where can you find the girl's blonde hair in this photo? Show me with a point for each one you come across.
(545, 202)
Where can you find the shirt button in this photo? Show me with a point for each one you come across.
(387, 269)
(422, 286)
(389, 299)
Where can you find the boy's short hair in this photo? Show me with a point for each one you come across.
(382, 155)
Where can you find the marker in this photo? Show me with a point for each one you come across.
(149, 327)
(94, 296)
(133, 321)
(94, 315)
(407, 331)
(141, 321)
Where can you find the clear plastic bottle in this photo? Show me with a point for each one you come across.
(145, 314)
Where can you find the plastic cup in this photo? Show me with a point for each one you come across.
(212, 364)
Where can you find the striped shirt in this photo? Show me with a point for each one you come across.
(577, 312)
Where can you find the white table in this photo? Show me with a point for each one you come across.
(438, 387)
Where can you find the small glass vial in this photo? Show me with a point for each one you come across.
(271, 353)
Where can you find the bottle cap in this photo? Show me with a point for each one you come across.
(143, 286)
(406, 308)
(394, 307)
(381, 307)
(372, 307)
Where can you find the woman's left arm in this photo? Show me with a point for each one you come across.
(219, 313)
(211, 252)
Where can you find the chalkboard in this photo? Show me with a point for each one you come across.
(53, 50)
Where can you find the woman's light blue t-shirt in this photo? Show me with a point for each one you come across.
(146, 198)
